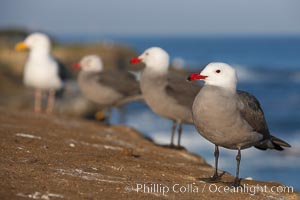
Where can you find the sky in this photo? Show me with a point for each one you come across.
(154, 17)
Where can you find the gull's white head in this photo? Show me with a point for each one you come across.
(217, 74)
(90, 63)
(38, 42)
(155, 58)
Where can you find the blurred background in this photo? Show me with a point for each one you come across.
(260, 38)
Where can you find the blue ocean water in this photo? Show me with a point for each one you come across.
(268, 67)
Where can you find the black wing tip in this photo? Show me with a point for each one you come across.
(273, 143)
(261, 148)
(278, 148)
(280, 142)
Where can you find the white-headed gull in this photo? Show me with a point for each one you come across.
(167, 94)
(227, 118)
(42, 72)
(106, 88)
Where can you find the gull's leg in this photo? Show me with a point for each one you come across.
(51, 101)
(216, 154)
(107, 114)
(37, 100)
(122, 114)
(216, 177)
(238, 161)
(173, 133)
(179, 133)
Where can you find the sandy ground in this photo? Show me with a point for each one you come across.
(55, 157)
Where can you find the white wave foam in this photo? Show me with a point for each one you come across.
(295, 77)
(178, 63)
(159, 129)
(247, 75)
(251, 157)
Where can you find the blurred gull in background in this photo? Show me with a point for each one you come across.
(167, 94)
(42, 72)
(107, 88)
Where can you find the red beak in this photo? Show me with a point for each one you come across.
(196, 76)
(135, 60)
(76, 66)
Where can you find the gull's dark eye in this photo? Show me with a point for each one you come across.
(218, 71)
(146, 53)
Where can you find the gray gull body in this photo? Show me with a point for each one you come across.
(228, 118)
(167, 94)
(106, 88)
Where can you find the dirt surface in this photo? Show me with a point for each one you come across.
(54, 157)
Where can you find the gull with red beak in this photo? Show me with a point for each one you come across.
(42, 71)
(106, 88)
(167, 94)
(229, 118)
